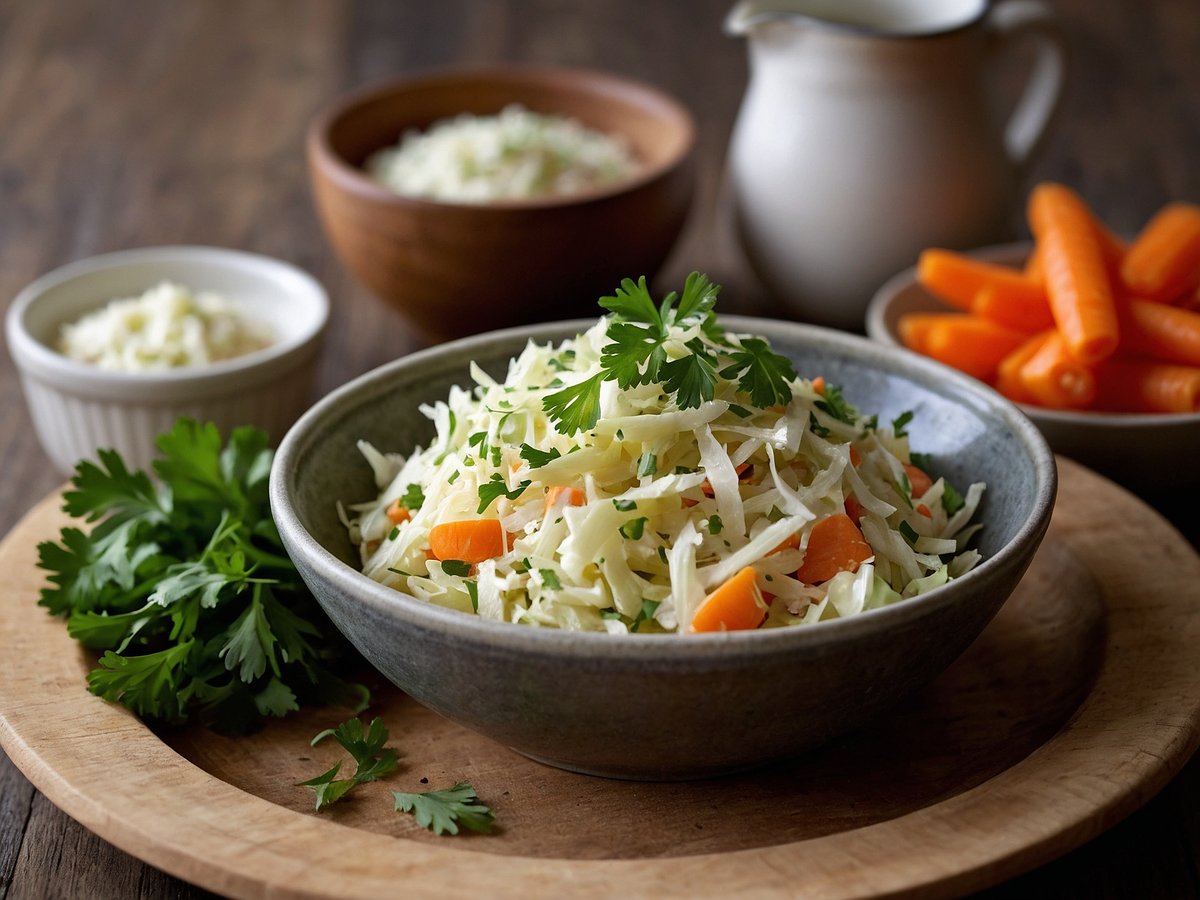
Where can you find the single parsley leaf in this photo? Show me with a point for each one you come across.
(715, 524)
(900, 423)
(456, 567)
(412, 498)
(538, 458)
(575, 407)
(550, 579)
(442, 812)
(762, 373)
(834, 403)
(489, 491)
(952, 500)
(634, 528)
(372, 759)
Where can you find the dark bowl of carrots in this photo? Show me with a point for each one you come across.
(1095, 337)
(664, 706)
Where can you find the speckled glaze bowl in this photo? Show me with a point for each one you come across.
(664, 706)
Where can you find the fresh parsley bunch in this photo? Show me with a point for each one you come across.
(185, 586)
(678, 344)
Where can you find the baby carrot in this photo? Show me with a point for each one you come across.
(1008, 373)
(397, 512)
(1148, 387)
(1166, 333)
(735, 606)
(971, 344)
(1076, 279)
(1024, 310)
(957, 278)
(469, 540)
(1054, 378)
(834, 545)
(1163, 263)
(1033, 266)
(914, 328)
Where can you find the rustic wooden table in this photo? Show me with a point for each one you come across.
(152, 122)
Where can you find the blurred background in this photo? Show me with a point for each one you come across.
(152, 122)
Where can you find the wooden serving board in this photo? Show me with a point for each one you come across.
(1078, 703)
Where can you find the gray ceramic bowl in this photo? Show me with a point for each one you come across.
(664, 706)
(1145, 452)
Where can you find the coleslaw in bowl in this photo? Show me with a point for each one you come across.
(650, 705)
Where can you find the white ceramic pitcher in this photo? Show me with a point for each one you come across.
(866, 134)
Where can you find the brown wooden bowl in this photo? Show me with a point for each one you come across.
(457, 269)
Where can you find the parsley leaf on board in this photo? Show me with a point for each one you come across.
(444, 811)
(185, 588)
(372, 760)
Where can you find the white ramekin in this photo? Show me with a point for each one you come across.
(78, 409)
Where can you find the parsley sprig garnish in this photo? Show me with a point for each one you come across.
(372, 760)
(700, 353)
(185, 587)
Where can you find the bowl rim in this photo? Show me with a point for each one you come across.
(32, 355)
(1013, 251)
(354, 180)
(663, 648)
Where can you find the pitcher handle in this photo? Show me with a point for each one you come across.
(1015, 21)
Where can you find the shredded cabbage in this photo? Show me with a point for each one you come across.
(670, 503)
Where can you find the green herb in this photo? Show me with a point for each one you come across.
(715, 525)
(647, 465)
(444, 811)
(662, 554)
(952, 500)
(740, 411)
(910, 533)
(538, 458)
(491, 490)
(900, 423)
(453, 477)
(815, 426)
(186, 587)
(372, 760)
(634, 528)
(473, 593)
(394, 533)
(624, 505)
(649, 608)
(834, 403)
(412, 498)
(456, 567)
(922, 461)
(550, 579)
(638, 333)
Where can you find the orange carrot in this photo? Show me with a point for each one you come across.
(1076, 279)
(853, 508)
(917, 480)
(971, 344)
(914, 328)
(398, 512)
(957, 278)
(1008, 373)
(734, 606)
(1148, 387)
(469, 540)
(1164, 262)
(818, 384)
(1054, 378)
(792, 542)
(1024, 310)
(1033, 266)
(554, 497)
(1166, 333)
(834, 545)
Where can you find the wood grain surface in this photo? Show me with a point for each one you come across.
(148, 122)
(1078, 701)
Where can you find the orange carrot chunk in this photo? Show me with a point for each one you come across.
(1008, 373)
(560, 495)
(397, 512)
(913, 328)
(1164, 262)
(1166, 333)
(957, 278)
(853, 508)
(834, 545)
(971, 344)
(917, 480)
(1054, 378)
(1148, 387)
(736, 605)
(1077, 281)
(469, 540)
(818, 384)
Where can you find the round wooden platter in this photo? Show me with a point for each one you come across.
(1077, 704)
